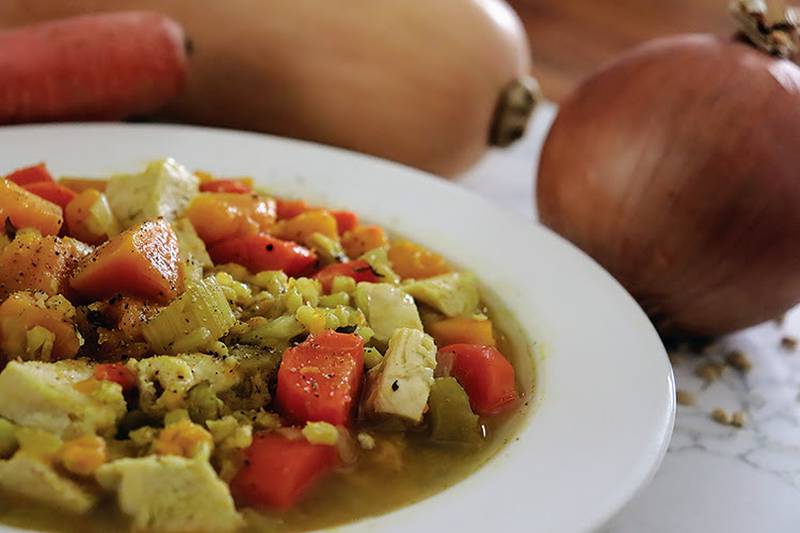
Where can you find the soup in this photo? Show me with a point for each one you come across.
(185, 353)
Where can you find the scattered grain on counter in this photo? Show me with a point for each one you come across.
(738, 419)
(711, 371)
(739, 361)
(789, 343)
(721, 416)
(685, 397)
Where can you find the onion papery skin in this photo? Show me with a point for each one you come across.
(677, 167)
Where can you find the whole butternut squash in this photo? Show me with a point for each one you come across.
(426, 83)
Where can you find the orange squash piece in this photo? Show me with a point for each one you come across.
(22, 311)
(362, 239)
(35, 263)
(24, 209)
(462, 330)
(304, 225)
(142, 261)
(410, 260)
(128, 314)
(220, 216)
(89, 218)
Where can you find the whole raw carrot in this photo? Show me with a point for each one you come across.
(94, 67)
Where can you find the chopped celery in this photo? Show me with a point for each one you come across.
(202, 306)
(321, 433)
(452, 294)
(328, 250)
(203, 403)
(372, 357)
(193, 251)
(378, 259)
(451, 418)
(8, 438)
(267, 333)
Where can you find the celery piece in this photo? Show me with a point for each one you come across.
(451, 418)
(203, 305)
(452, 294)
(328, 250)
(8, 438)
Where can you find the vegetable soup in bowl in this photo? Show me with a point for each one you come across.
(257, 334)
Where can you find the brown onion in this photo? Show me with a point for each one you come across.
(677, 168)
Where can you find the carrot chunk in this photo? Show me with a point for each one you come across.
(345, 220)
(33, 174)
(277, 471)
(486, 375)
(52, 192)
(23, 209)
(359, 270)
(142, 261)
(362, 239)
(264, 252)
(319, 379)
(118, 373)
(288, 208)
(239, 186)
(462, 330)
(220, 216)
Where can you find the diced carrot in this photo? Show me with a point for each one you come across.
(462, 330)
(21, 312)
(304, 225)
(28, 175)
(320, 378)
(34, 263)
(220, 216)
(52, 192)
(23, 209)
(89, 218)
(359, 270)
(264, 252)
(345, 220)
(288, 208)
(97, 66)
(118, 373)
(486, 375)
(278, 472)
(142, 261)
(227, 185)
(362, 239)
(410, 260)
(81, 184)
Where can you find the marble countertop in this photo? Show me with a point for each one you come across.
(714, 477)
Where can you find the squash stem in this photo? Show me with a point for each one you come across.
(514, 107)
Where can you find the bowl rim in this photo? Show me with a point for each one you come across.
(398, 183)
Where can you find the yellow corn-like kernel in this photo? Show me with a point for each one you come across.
(183, 438)
(84, 455)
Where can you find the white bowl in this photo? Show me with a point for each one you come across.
(603, 404)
